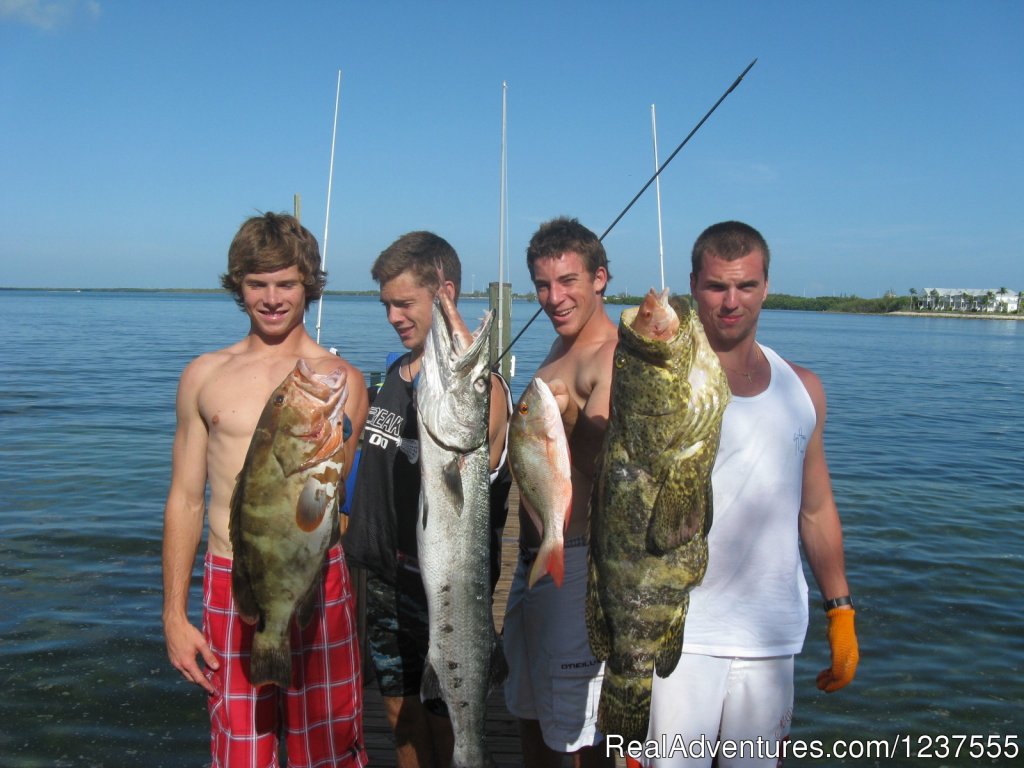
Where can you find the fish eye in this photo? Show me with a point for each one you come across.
(278, 399)
(479, 385)
(524, 409)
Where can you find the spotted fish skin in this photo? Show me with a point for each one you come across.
(284, 513)
(464, 657)
(652, 503)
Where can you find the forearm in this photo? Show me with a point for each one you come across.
(182, 532)
(822, 537)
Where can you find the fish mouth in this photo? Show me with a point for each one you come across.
(327, 393)
(453, 341)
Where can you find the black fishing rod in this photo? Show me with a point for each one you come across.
(642, 190)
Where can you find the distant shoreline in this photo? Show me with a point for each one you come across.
(961, 315)
(533, 298)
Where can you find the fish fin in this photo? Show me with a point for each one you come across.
(307, 605)
(668, 655)
(550, 559)
(241, 588)
(531, 512)
(430, 685)
(677, 514)
(235, 505)
(411, 449)
(453, 482)
(312, 505)
(499, 665)
(271, 660)
(709, 509)
(598, 631)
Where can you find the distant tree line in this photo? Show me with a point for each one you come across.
(888, 303)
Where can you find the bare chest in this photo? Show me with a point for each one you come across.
(233, 399)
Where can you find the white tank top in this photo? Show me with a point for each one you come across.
(753, 600)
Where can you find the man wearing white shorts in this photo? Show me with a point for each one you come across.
(772, 493)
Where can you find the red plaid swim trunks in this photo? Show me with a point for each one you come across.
(321, 712)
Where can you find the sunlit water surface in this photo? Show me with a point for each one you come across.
(924, 441)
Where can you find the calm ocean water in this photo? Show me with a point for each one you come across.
(924, 442)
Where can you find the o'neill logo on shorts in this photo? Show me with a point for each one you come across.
(565, 666)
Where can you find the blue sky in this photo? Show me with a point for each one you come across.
(876, 145)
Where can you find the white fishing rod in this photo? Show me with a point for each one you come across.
(657, 189)
(327, 221)
(503, 204)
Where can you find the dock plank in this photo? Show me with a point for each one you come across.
(502, 727)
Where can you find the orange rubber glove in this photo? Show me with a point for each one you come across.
(845, 655)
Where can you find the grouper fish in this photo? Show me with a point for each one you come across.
(538, 454)
(464, 658)
(284, 512)
(652, 503)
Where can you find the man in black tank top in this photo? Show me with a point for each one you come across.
(381, 537)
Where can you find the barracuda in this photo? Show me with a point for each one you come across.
(284, 512)
(652, 504)
(453, 533)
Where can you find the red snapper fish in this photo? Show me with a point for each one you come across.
(538, 454)
(284, 513)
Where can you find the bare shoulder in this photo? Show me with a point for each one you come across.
(597, 365)
(325, 361)
(198, 371)
(811, 383)
(358, 401)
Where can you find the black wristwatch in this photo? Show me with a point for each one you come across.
(836, 602)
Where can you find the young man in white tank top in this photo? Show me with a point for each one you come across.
(772, 493)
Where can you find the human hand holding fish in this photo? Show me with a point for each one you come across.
(842, 640)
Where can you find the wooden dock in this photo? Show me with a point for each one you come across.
(502, 727)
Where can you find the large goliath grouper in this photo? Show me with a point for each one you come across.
(284, 511)
(464, 658)
(652, 504)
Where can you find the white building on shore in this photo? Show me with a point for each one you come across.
(1001, 300)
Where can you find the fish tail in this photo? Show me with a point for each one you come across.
(625, 705)
(550, 559)
(671, 644)
(597, 624)
(271, 661)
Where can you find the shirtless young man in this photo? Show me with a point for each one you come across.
(554, 680)
(274, 273)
